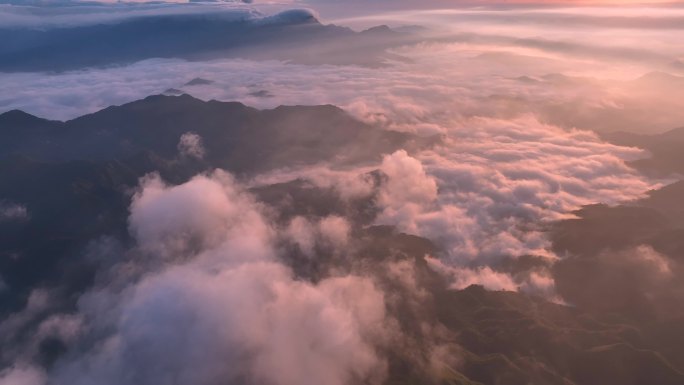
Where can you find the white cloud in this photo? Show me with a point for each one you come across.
(22, 375)
(199, 215)
(330, 232)
(10, 211)
(190, 145)
(498, 180)
(221, 307)
(441, 84)
(489, 191)
(463, 277)
(334, 230)
(302, 233)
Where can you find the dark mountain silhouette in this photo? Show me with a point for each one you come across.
(292, 35)
(236, 137)
(665, 150)
(198, 82)
(629, 260)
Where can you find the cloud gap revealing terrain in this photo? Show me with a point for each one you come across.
(332, 192)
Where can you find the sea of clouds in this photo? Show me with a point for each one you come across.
(210, 300)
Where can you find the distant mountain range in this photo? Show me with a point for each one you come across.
(294, 35)
(666, 155)
(236, 137)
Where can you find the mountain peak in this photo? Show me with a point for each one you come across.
(291, 16)
(378, 29)
(19, 117)
(17, 114)
(198, 82)
(659, 77)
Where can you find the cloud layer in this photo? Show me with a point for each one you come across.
(209, 291)
(209, 302)
(512, 113)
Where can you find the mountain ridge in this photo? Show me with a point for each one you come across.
(294, 35)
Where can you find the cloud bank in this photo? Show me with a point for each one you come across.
(208, 301)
